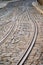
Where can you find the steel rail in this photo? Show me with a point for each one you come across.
(8, 32)
(6, 35)
(13, 20)
(6, 15)
(28, 51)
(9, 13)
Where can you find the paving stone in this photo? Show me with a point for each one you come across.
(15, 45)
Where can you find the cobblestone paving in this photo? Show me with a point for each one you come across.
(15, 45)
(36, 56)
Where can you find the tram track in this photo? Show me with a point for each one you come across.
(29, 49)
(8, 32)
(6, 35)
(4, 23)
(13, 19)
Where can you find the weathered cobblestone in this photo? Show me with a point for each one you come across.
(15, 45)
(37, 50)
(17, 42)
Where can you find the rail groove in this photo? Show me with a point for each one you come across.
(13, 19)
(9, 31)
(28, 51)
(21, 62)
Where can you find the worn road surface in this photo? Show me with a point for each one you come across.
(17, 29)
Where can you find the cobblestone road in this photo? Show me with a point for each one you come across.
(13, 47)
(36, 56)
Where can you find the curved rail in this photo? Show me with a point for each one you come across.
(21, 62)
(8, 32)
(10, 29)
(12, 20)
